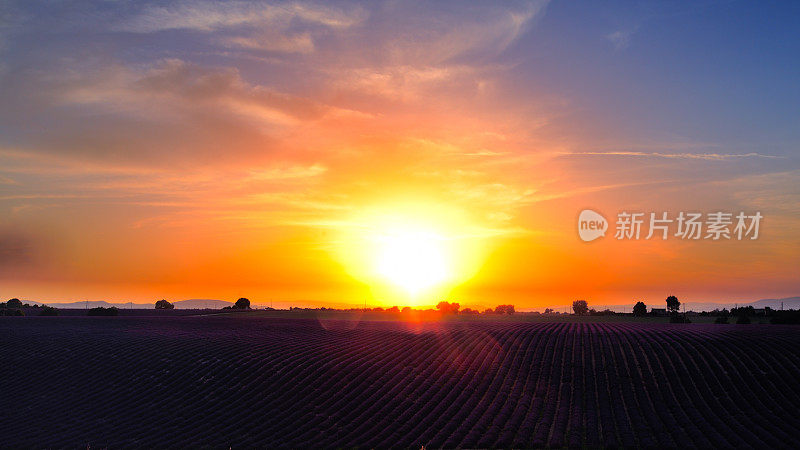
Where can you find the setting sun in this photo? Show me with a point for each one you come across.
(412, 259)
(411, 252)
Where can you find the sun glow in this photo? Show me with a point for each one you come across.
(412, 259)
(411, 253)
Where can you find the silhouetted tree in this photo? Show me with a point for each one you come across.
(393, 309)
(242, 303)
(48, 311)
(673, 305)
(504, 309)
(100, 311)
(580, 307)
(549, 311)
(743, 311)
(448, 308)
(14, 303)
(721, 320)
(639, 309)
(406, 309)
(163, 304)
(470, 311)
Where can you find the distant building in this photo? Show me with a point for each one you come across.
(658, 311)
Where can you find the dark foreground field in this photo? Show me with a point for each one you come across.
(245, 382)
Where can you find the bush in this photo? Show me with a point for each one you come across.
(743, 311)
(163, 304)
(14, 303)
(242, 303)
(504, 309)
(48, 311)
(100, 311)
(448, 308)
(11, 312)
(673, 304)
(721, 320)
(580, 307)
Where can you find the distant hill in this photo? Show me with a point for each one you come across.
(201, 303)
(92, 304)
(775, 303)
(195, 303)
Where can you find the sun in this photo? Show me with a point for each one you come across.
(410, 253)
(412, 259)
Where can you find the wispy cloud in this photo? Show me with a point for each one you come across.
(621, 38)
(16, 248)
(272, 42)
(210, 16)
(288, 27)
(438, 38)
(702, 156)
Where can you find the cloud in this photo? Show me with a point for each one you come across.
(224, 87)
(445, 30)
(174, 84)
(404, 83)
(486, 153)
(274, 42)
(432, 36)
(776, 192)
(702, 156)
(285, 173)
(208, 16)
(621, 38)
(289, 27)
(167, 110)
(15, 249)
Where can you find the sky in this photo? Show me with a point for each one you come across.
(194, 149)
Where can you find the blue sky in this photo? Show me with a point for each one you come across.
(721, 72)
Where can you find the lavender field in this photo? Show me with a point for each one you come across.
(243, 382)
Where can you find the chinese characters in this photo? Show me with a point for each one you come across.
(713, 226)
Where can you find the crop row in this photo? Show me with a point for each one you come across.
(220, 382)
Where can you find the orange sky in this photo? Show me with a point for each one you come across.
(206, 153)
